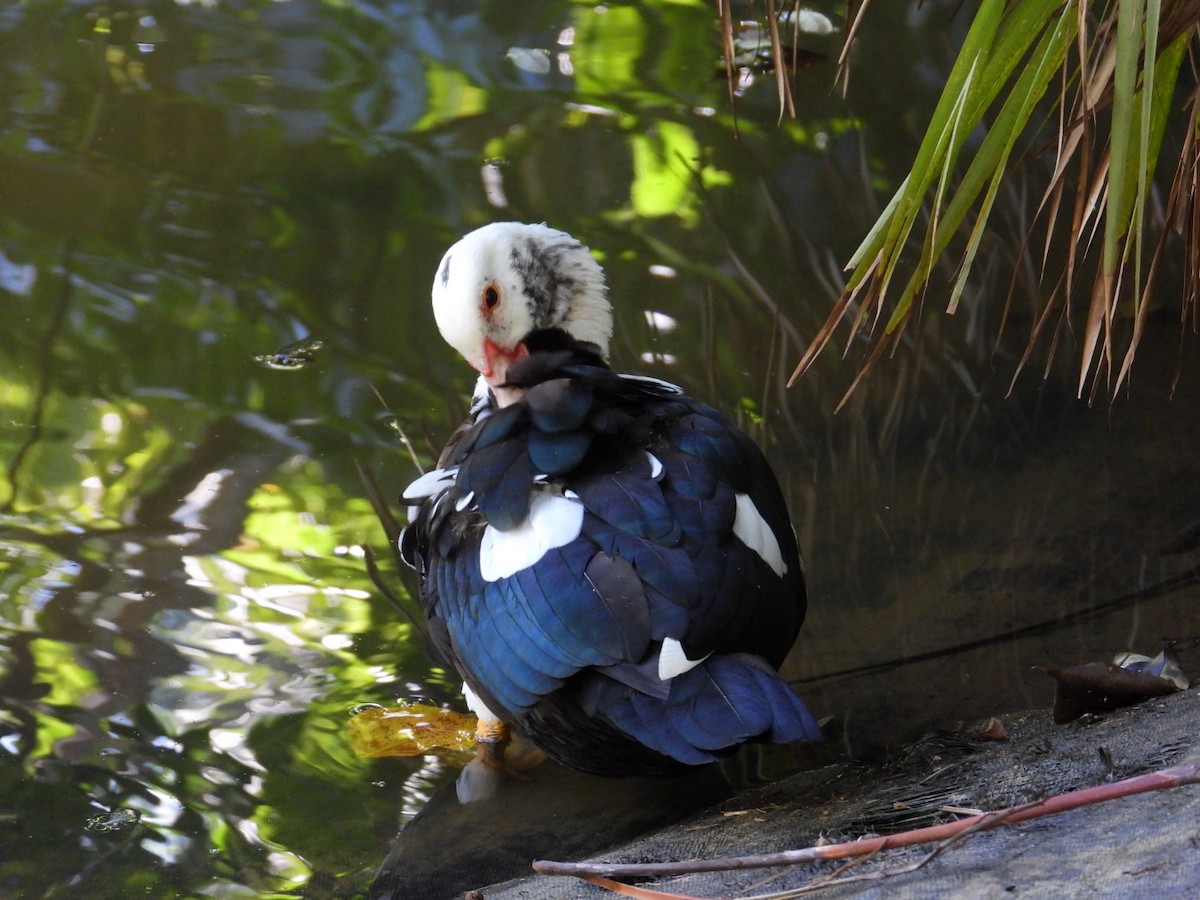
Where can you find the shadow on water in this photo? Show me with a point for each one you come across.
(218, 223)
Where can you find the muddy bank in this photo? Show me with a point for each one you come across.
(1140, 846)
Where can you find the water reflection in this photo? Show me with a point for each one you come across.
(185, 609)
(449, 848)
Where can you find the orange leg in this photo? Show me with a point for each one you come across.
(498, 750)
(492, 738)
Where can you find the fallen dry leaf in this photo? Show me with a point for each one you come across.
(1096, 687)
(412, 730)
(993, 730)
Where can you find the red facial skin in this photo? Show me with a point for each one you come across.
(495, 370)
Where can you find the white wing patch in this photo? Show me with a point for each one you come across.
(673, 661)
(477, 706)
(755, 533)
(655, 382)
(553, 521)
(656, 466)
(432, 482)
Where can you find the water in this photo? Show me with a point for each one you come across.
(218, 224)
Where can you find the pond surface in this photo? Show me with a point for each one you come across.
(218, 225)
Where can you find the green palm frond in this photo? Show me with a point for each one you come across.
(1117, 65)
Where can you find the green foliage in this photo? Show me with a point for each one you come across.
(1127, 57)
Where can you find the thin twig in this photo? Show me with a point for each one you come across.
(838, 878)
(851, 29)
(728, 53)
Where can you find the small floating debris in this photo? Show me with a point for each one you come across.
(114, 820)
(392, 423)
(414, 729)
(530, 59)
(293, 356)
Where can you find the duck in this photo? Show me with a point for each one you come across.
(606, 562)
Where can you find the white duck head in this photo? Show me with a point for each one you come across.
(507, 279)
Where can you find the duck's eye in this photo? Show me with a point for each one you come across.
(491, 296)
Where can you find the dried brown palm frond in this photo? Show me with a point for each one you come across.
(1111, 70)
(728, 28)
